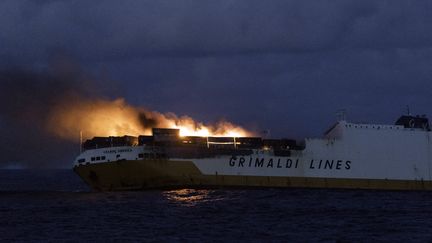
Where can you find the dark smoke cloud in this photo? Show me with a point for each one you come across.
(29, 93)
(44, 110)
(26, 98)
(146, 121)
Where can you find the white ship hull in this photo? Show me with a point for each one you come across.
(349, 156)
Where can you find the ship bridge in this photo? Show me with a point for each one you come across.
(405, 122)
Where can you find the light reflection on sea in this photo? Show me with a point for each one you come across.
(56, 206)
(187, 197)
(194, 197)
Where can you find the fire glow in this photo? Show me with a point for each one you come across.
(117, 118)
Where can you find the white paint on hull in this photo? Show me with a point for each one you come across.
(365, 152)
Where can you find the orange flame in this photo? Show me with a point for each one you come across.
(117, 118)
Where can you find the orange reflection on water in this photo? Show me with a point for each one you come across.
(188, 197)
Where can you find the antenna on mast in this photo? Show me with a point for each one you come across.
(266, 133)
(408, 110)
(341, 115)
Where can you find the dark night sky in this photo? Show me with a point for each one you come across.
(287, 66)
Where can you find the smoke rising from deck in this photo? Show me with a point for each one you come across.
(27, 98)
(43, 113)
(104, 117)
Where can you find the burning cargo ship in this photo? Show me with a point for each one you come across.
(349, 155)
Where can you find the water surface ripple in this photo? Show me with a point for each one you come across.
(41, 205)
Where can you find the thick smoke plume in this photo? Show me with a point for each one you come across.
(43, 113)
(27, 98)
(103, 117)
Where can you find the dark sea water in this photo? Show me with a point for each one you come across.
(54, 205)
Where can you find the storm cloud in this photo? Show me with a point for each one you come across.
(101, 30)
(283, 66)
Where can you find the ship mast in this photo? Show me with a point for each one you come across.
(341, 115)
(80, 141)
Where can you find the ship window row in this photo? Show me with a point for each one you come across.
(81, 160)
(98, 158)
(374, 127)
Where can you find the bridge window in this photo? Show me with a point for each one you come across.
(98, 158)
(103, 158)
(81, 160)
(140, 155)
(92, 158)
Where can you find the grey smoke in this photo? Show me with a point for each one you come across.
(26, 97)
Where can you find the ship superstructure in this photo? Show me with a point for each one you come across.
(349, 155)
